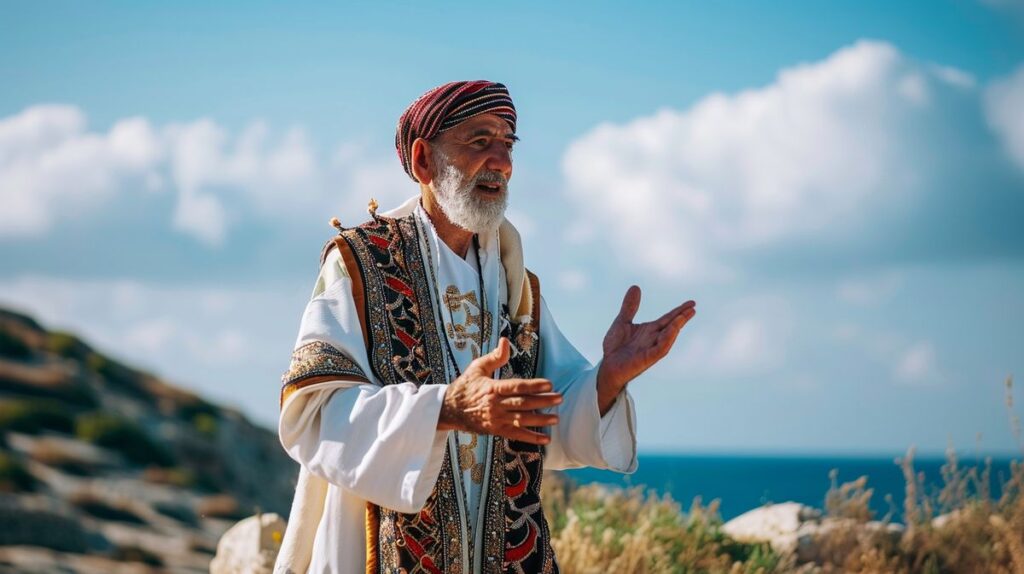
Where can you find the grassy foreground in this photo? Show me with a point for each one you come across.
(601, 530)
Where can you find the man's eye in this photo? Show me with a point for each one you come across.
(510, 145)
(480, 142)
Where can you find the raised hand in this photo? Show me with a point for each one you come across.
(630, 349)
(474, 402)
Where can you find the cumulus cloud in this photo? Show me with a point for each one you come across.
(53, 167)
(869, 291)
(813, 157)
(750, 337)
(1004, 109)
(910, 360)
(917, 364)
(746, 342)
(49, 163)
(573, 280)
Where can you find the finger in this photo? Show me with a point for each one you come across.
(668, 336)
(671, 315)
(531, 402)
(520, 419)
(511, 387)
(630, 305)
(524, 435)
(491, 362)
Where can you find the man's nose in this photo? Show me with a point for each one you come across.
(500, 159)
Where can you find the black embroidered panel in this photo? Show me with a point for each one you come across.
(391, 267)
(527, 546)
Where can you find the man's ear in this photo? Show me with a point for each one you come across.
(422, 161)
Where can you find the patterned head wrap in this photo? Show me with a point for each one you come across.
(445, 107)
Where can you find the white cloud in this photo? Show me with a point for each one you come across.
(49, 163)
(53, 168)
(573, 280)
(869, 291)
(917, 364)
(804, 157)
(153, 336)
(1004, 109)
(364, 177)
(911, 361)
(523, 222)
(750, 337)
(746, 345)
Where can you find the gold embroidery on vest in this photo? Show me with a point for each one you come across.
(471, 328)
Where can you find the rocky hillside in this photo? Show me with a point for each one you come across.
(106, 468)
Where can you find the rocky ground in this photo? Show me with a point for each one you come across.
(105, 468)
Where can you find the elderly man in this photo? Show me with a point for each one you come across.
(430, 386)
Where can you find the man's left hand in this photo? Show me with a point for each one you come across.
(630, 349)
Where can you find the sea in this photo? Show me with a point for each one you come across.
(743, 483)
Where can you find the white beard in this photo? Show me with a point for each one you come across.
(461, 204)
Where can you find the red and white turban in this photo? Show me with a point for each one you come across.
(445, 107)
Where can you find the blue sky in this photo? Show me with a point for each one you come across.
(839, 185)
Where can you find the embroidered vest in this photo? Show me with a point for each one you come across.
(393, 297)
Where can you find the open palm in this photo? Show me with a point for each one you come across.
(630, 348)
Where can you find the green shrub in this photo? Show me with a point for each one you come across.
(74, 394)
(188, 411)
(122, 435)
(13, 475)
(13, 347)
(96, 363)
(67, 345)
(33, 416)
(205, 424)
(115, 373)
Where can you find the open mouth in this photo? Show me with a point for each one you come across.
(493, 188)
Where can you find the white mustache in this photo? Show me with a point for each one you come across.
(491, 177)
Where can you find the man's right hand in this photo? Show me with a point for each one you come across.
(476, 403)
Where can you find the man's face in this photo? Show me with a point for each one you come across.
(473, 163)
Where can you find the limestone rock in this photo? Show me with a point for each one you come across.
(249, 547)
(778, 524)
(800, 531)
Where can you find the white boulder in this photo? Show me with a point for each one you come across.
(781, 525)
(803, 532)
(249, 547)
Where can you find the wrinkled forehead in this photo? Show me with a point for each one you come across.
(482, 125)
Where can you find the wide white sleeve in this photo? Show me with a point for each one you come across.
(582, 436)
(379, 442)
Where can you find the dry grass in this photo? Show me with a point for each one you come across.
(599, 530)
(959, 528)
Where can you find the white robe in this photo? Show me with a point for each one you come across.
(367, 442)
